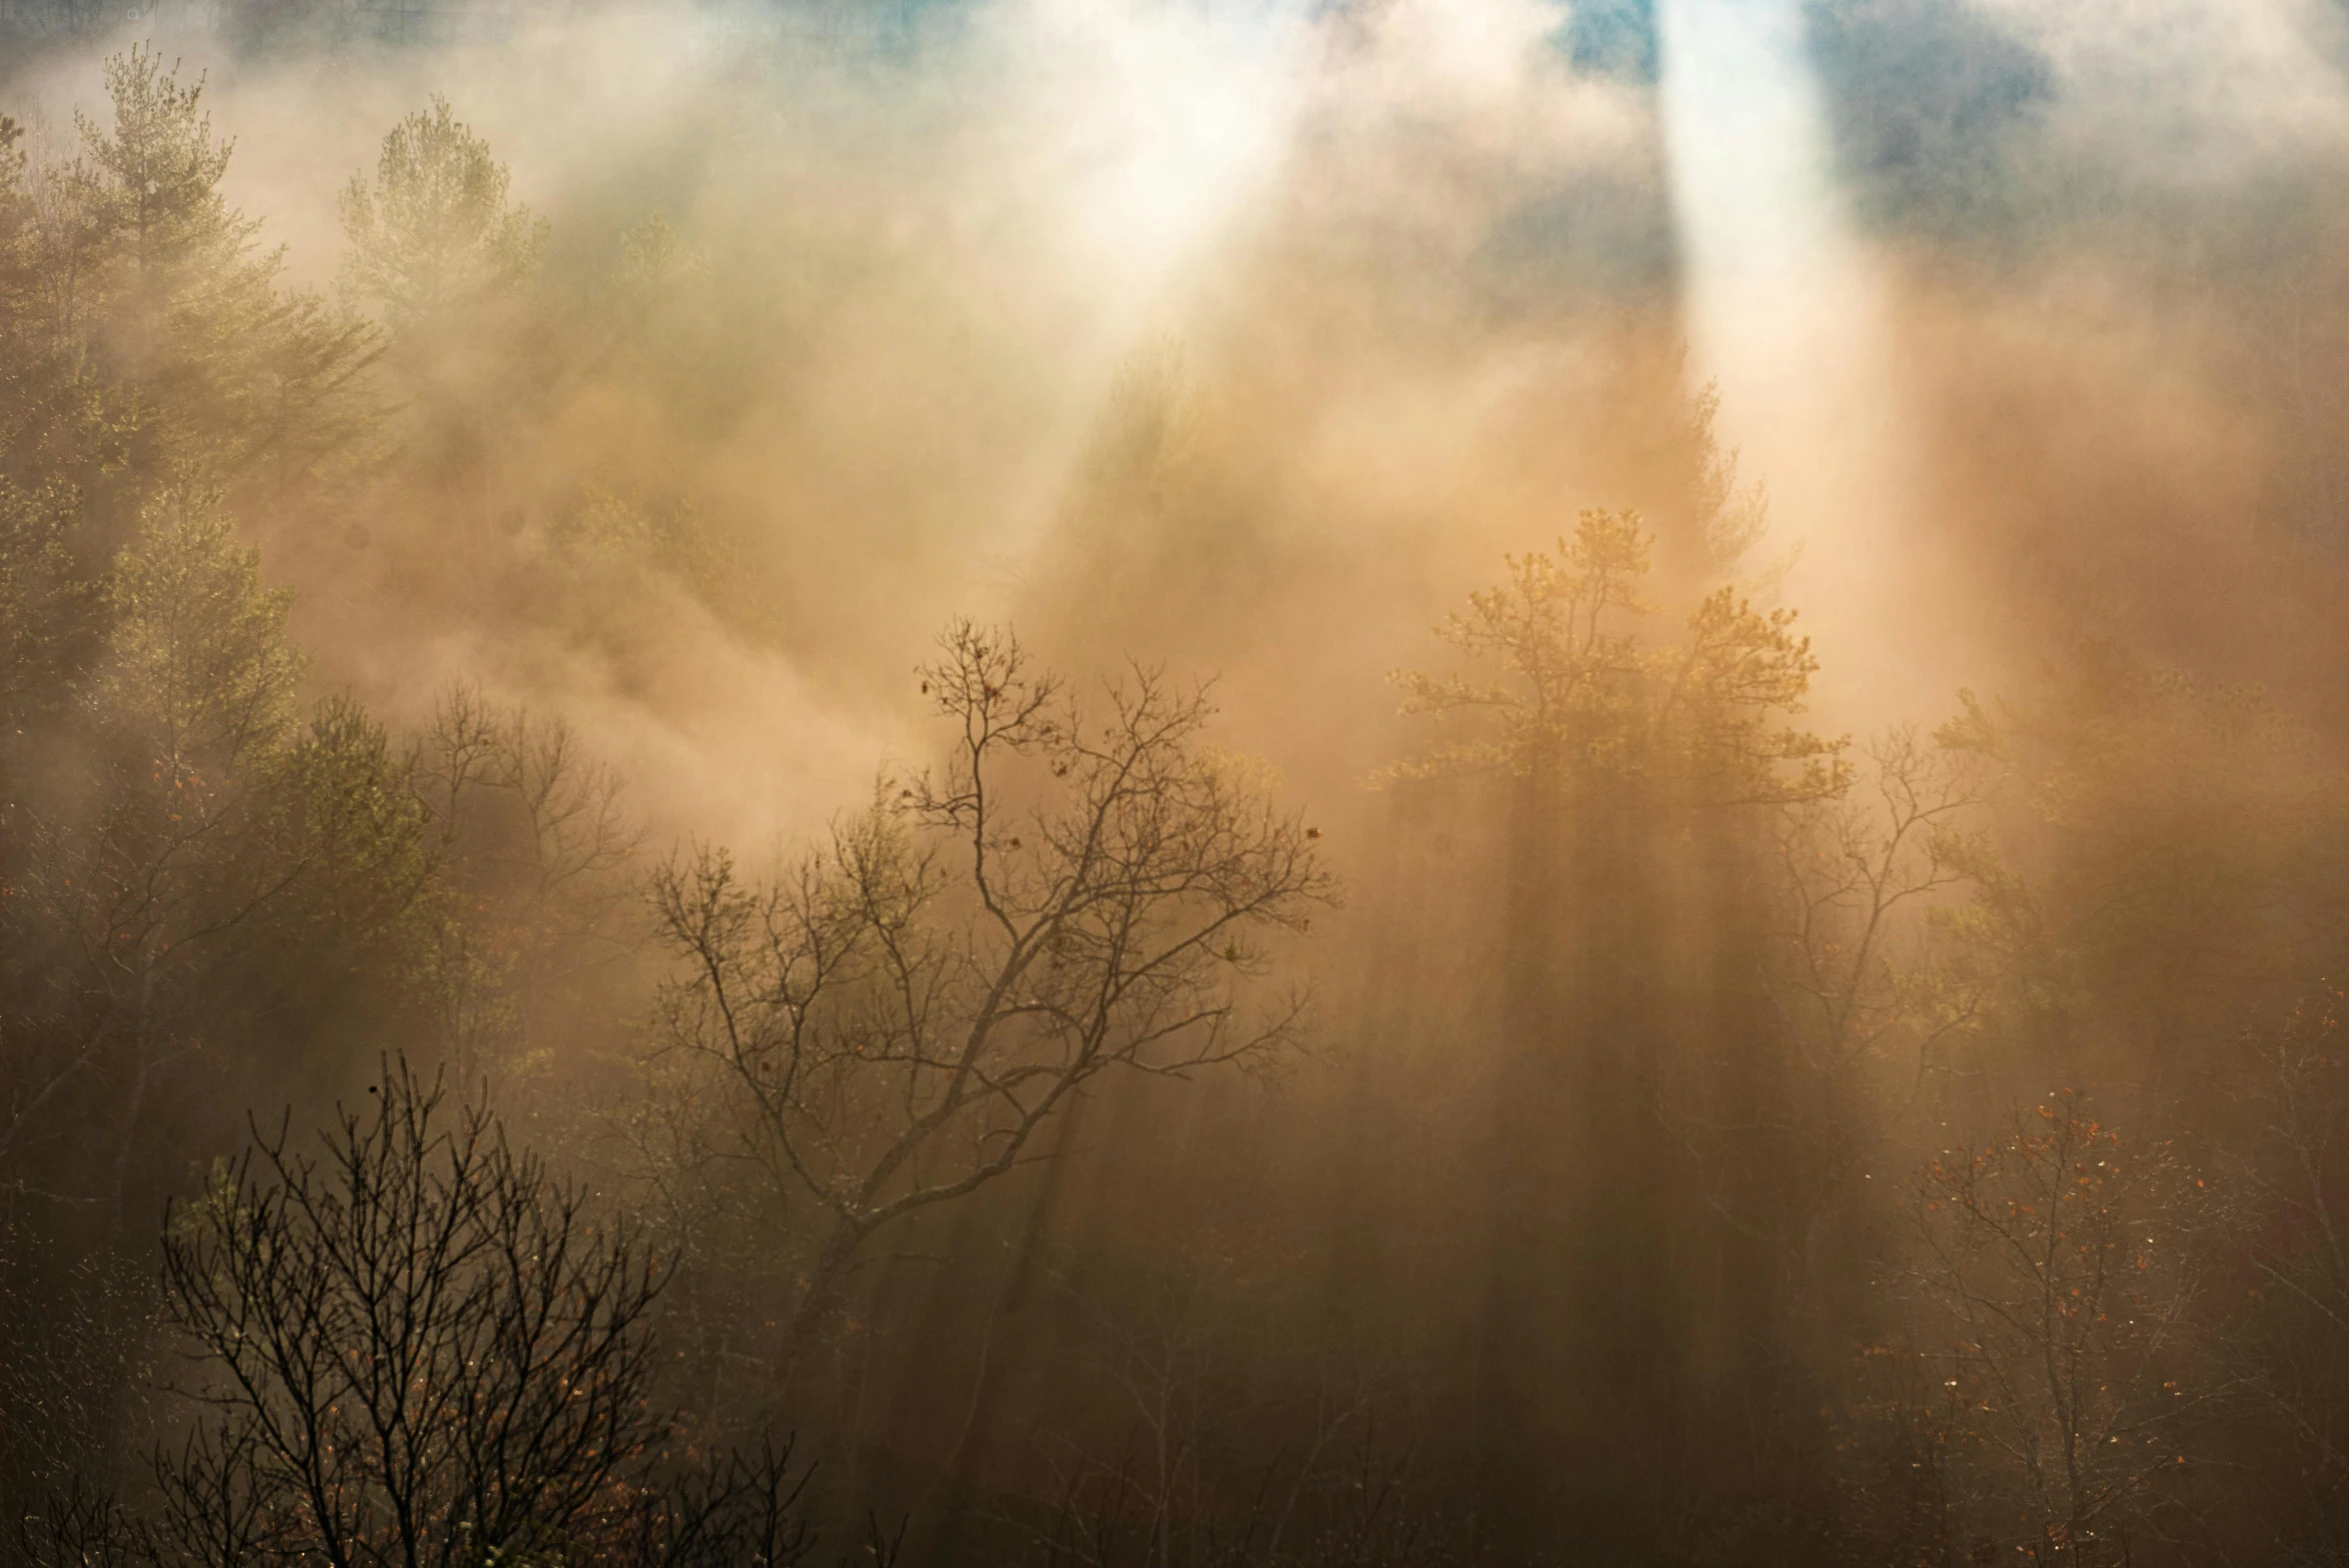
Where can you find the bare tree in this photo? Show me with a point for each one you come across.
(2054, 1282)
(535, 844)
(1859, 870)
(1075, 892)
(1175, 1351)
(2287, 1342)
(1857, 876)
(523, 807)
(418, 1349)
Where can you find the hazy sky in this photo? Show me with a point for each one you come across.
(2023, 310)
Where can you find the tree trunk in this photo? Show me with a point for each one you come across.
(820, 1302)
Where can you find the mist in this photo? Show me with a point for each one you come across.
(1386, 783)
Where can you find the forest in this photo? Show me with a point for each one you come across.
(1137, 784)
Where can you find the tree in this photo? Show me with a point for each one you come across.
(2282, 1333)
(534, 843)
(2181, 840)
(1865, 881)
(42, 606)
(1848, 1032)
(1582, 699)
(1643, 1168)
(1078, 892)
(1857, 872)
(437, 252)
(143, 887)
(142, 875)
(435, 231)
(2054, 1279)
(419, 1348)
(229, 367)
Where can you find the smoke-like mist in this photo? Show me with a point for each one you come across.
(1415, 265)
(2003, 341)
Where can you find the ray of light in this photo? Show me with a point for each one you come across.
(1786, 310)
(1145, 127)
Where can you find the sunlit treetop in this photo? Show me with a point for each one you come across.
(1580, 697)
(435, 229)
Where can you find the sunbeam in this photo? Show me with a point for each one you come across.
(1785, 310)
(1031, 783)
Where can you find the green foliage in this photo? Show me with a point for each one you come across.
(349, 810)
(617, 534)
(16, 221)
(1574, 687)
(42, 604)
(655, 261)
(198, 662)
(435, 232)
(226, 367)
(1148, 431)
